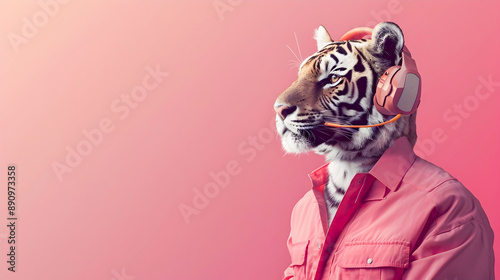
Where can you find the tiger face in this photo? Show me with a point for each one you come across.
(337, 84)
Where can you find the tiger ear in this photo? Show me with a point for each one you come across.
(387, 40)
(322, 37)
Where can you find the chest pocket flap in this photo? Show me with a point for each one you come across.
(299, 252)
(374, 254)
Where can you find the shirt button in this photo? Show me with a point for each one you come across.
(359, 182)
(369, 261)
(319, 245)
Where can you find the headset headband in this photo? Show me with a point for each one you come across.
(357, 34)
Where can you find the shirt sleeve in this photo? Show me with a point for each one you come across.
(461, 253)
(288, 273)
(289, 270)
(459, 243)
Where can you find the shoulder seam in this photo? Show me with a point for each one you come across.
(429, 192)
(437, 185)
(431, 196)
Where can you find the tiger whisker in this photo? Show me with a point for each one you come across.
(298, 60)
(310, 136)
(298, 47)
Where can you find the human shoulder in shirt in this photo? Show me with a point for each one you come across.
(453, 205)
(440, 222)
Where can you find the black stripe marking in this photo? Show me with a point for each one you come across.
(360, 53)
(316, 65)
(340, 190)
(344, 91)
(359, 67)
(321, 100)
(349, 106)
(327, 104)
(374, 79)
(361, 83)
(333, 203)
(361, 120)
(348, 75)
(334, 58)
(341, 50)
(330, 201)
(331, 100)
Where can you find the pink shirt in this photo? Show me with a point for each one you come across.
(405, 219)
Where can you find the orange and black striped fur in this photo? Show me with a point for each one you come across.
(337, 84)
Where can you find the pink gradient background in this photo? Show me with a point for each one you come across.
(117, 213)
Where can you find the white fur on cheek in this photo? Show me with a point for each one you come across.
(292, 144)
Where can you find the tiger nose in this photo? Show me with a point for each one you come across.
(284, 110)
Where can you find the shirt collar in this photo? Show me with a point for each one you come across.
(319, 176)
(394, 163)
(389, 169)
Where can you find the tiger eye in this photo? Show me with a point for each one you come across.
(335, 79)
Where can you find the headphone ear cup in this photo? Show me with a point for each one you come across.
(385, 89)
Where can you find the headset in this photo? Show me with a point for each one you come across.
(398, 90)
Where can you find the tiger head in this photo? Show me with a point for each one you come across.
(337, 84)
